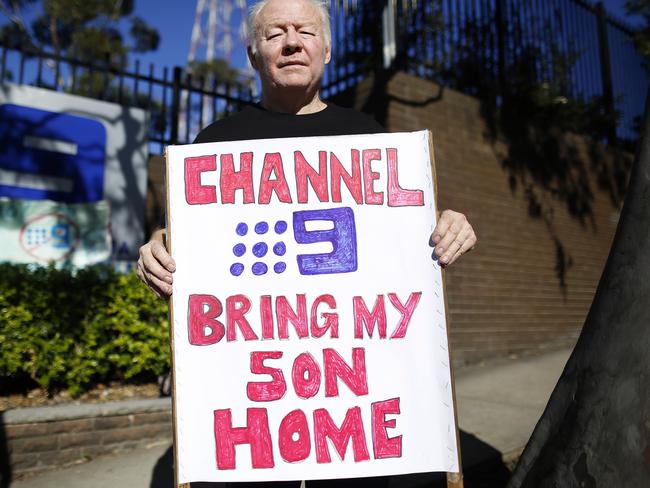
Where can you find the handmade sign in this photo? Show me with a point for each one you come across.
(309, 330)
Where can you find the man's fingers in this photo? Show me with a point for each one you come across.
(453, 236)
(467, 245)
(160, 253)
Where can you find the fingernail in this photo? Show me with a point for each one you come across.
(168, 279)
(172, 268)
(439, 251)
(436, 238)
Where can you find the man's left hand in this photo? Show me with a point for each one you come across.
(452, 237)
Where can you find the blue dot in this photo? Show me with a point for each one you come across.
(242, 229)
(237, 269)
(279, 267)
(279, 249)
(261, 228)
(280, 226)
(259, 269)
(239, 250)
(260, 249)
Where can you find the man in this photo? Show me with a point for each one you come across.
(289, 47)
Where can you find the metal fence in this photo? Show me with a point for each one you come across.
(569, 46)
(178, 105)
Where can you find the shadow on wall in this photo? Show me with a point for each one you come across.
(554, 146)
(5, 466)
(487, 470)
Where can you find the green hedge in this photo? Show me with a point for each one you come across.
(71, 330)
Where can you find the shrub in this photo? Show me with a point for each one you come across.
(69, 329)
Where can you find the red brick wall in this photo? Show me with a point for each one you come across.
(38, 446)
(504, 297)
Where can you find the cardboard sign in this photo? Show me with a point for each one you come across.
(309, 330)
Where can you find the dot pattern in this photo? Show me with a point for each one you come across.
(260, 249)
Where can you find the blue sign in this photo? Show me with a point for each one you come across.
(51, 156)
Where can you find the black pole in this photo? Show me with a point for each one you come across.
(606, 73)
(176, 104)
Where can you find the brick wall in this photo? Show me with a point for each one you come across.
(505, 297)
(43, 438)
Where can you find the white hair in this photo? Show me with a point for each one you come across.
(251, 23)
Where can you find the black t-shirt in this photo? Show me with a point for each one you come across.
(254, 122)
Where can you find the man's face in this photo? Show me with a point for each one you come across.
(291, 47)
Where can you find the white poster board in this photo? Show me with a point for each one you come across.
(309, 326)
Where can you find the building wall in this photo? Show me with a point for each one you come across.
(529, 283)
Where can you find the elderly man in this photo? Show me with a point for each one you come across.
(290, 45)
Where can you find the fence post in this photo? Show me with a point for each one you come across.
(501, 46)
(606, 72)
(176, 104)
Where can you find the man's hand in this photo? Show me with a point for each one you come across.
(452, 237)
(155, 266)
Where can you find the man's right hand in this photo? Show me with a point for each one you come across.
(155, 266)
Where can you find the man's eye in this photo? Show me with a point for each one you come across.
(308, 33)
(273, 35)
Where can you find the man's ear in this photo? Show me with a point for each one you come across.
(251, 57)
(328, 53)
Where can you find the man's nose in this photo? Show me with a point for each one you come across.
(292, 41)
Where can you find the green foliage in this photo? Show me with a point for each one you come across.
(85, 29)
(71, 330)
(642, 36)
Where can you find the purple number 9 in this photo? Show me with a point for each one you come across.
(343, 258)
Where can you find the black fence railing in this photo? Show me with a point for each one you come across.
(177, 104)
(568, 47)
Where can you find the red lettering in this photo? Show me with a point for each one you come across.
(305, 375)
(317, 180)
(384, 446)
(266, 317)
(352, 182)
(406, 311)
(273, 165)
(202, 311)
(335, 367)
(195, 192)
(369, 176)
(256, 433)
(269, 390)
(286, 314)
(362, 317)
(232, 180)
(352, 428)
(397, 197)
(331, 319)
(296, 450)
(236, 307)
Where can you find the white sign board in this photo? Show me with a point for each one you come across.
(71, 149)
(309, 329)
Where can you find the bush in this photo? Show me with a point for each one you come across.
(71, 330)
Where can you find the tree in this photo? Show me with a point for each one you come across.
(84, 29)
(642, 36)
